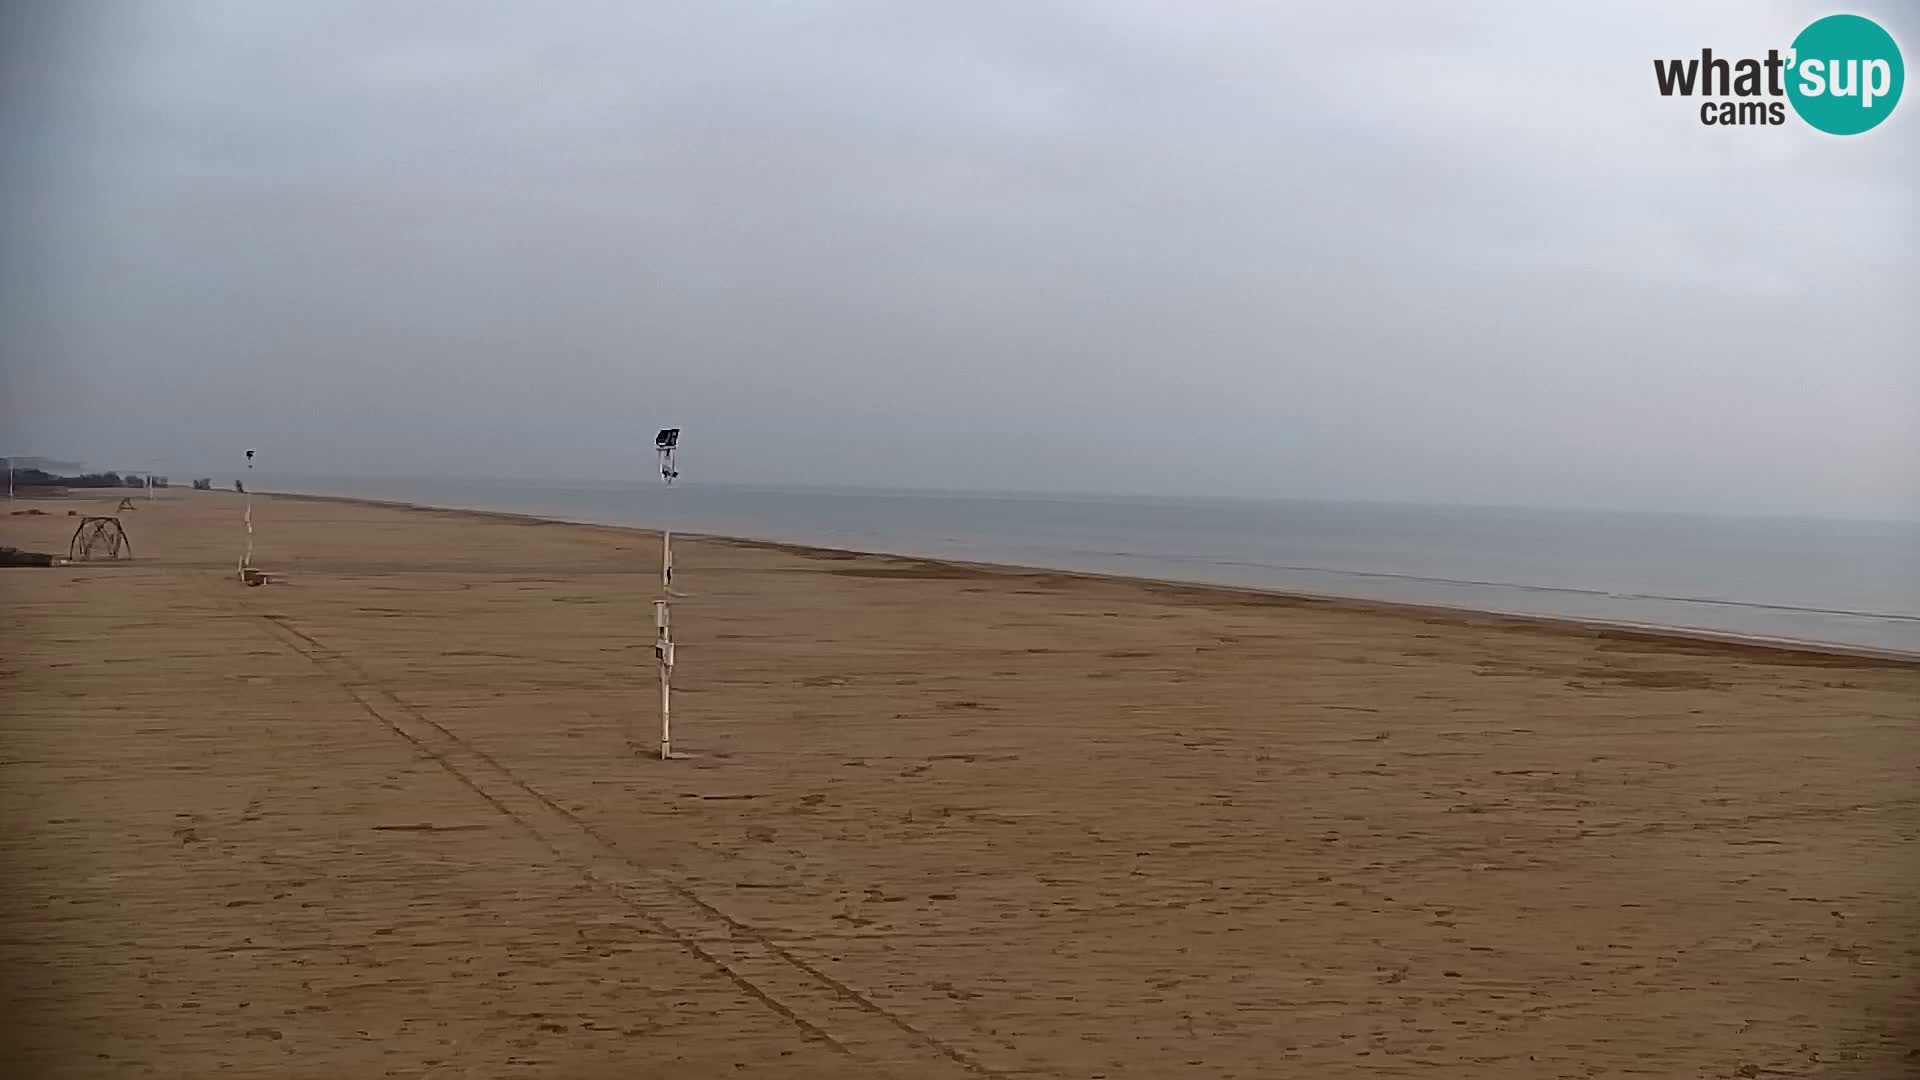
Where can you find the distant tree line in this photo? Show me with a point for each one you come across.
(25, 478)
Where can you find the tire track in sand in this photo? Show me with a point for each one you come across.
(823, 1007)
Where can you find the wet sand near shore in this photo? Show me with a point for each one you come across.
(393, 816)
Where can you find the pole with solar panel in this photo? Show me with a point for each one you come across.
(246, 514)
(249, 575)
(664, 444)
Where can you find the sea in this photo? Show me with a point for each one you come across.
(1834, 582)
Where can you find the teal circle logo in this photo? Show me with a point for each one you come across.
(1846, 74)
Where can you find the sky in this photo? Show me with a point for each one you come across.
(1453, 253)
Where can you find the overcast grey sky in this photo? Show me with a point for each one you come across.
(1377, 251)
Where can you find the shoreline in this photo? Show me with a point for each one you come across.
(1812, 653)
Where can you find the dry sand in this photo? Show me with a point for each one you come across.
(386, 819)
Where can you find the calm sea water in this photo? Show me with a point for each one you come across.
(1854, 583)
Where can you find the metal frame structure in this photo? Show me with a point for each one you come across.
(98, 539)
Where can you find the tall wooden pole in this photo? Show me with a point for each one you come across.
(665, 444)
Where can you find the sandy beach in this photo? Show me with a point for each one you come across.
(392, 815)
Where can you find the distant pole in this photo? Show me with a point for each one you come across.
(246, 496)
(664, 444)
